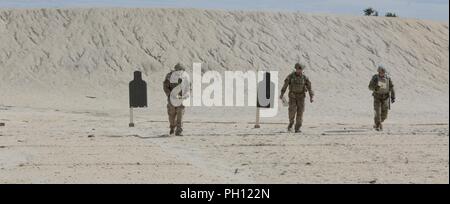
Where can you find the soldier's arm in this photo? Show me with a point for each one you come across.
(309, 88)
(285, 86)
(391, 88)
(166, 87)
(372, 84)
(187, 90)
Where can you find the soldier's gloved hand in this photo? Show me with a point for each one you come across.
(311, 99)
(392, 100)
(281, 97)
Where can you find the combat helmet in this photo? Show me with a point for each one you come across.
(381, 68)
(299, 65)
(179, 67)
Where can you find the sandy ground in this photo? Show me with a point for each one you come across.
(55, 146)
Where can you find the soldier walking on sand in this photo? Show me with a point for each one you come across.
(176, 91)
(298, 85)
(383, 89)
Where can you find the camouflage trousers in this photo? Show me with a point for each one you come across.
(381, 107)
(175, 116)
(296, 109)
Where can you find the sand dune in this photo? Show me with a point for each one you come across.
(51, 52)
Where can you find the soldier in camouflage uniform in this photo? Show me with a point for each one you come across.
(175, 111)
(298, 85)
(383, 89)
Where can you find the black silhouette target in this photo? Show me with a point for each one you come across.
(138, 91)
(265, 92)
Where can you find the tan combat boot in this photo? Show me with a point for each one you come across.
(289, 128)
(179, 132)
(377, 126)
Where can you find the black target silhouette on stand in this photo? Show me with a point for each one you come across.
(138, 94)
(265, 96)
